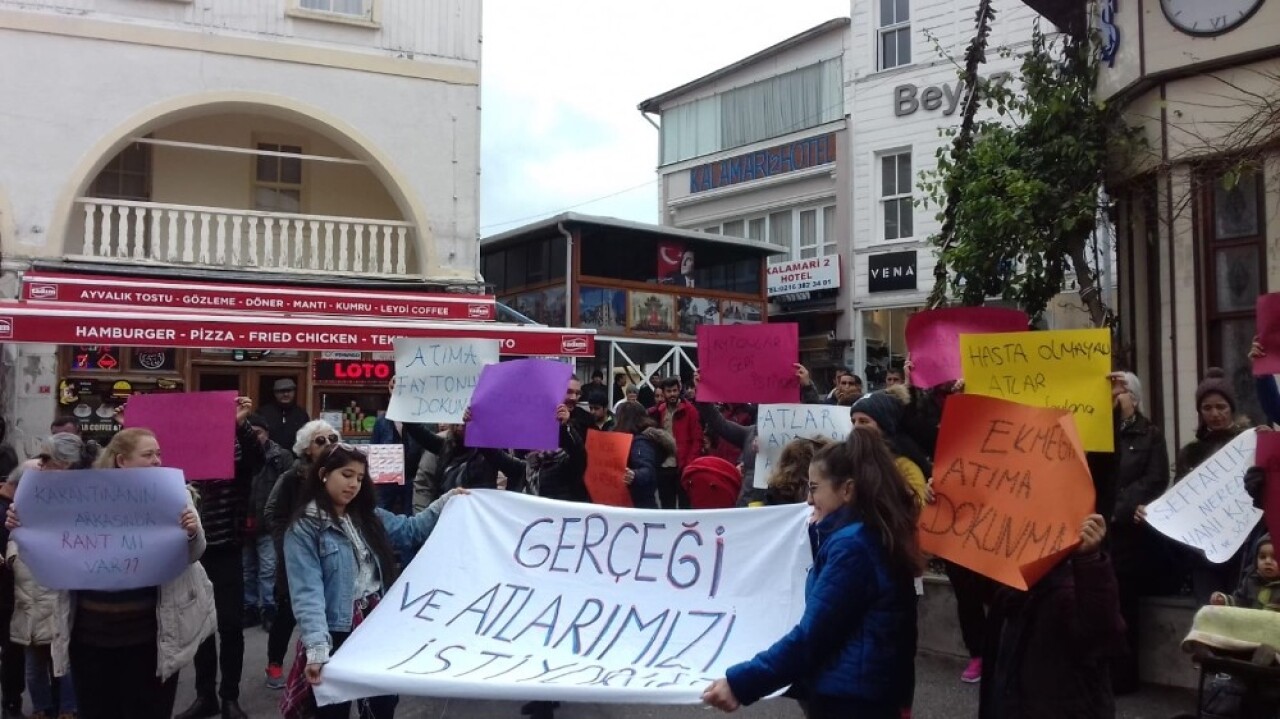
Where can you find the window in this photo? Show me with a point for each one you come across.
(808, 231)
(776, 106)
(278, 180)
(780, 234)
(1235, 260)
(894, 34)
(355, 8)
(127, 176)
(895, 196)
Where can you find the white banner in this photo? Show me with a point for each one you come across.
(521, 598)
(778, 424)
(435, 378)
(1209, 509)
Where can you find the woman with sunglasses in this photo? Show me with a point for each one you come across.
(126, 647)
(340, 554)
(312, 438)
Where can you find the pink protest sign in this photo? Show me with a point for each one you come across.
(933, 338)
(748, 363)
(1268, 334)
(196, 430)
(1268, 457)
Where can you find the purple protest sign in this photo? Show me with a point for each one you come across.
(196, 430)
(933, 338)
(514, 405)
(102, 529)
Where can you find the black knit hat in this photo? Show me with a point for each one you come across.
(1215, 382)
(885, 409)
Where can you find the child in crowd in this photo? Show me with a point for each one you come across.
(1260, 587)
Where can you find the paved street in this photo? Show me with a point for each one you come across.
(939, 693)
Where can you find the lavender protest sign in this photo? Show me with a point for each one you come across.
(435, 378)
(562, 601)
(103, 529)
(514, 405)
(1208, 509)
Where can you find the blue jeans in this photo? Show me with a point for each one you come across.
(260, 573)
(40, 683)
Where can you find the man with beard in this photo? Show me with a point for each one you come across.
(679, 417)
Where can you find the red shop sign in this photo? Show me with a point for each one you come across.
(78, 326)
(200, 296)
(326, 370)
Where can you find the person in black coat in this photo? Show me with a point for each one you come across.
(462, 466)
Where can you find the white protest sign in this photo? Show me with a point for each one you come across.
(386, 463)
(562, 601)
(1209, 509)
(435, 377)
(778, 424)
(107, 529)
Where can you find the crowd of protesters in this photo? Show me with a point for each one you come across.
(1063, 649)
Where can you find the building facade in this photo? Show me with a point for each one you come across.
(759, 150)
(904, 91)
(644, 290)
(1198, 209)
(852, 204)
(189, 185)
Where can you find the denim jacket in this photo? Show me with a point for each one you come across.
(321, 566)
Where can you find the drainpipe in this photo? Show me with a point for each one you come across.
(568, 283)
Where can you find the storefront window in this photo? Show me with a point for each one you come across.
(885, 343)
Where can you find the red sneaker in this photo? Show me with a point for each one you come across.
(973, 672)
(275, 676)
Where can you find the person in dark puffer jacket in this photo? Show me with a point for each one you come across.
(223, 507)
(1048, 650)
(851, 655)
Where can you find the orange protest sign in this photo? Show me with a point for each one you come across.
(1012, 489)
(606, 464)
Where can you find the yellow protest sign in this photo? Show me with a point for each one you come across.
(1064, 369)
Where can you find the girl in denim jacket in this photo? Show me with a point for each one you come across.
(340, 556)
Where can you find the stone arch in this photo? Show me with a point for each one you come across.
(276, 106)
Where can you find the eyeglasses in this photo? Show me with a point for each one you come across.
(322, 441)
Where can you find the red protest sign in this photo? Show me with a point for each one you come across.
(748, 363)
(607, 454)
(1268, 457)
(196, 431)
(1268, 334)
(933, 338)
(1011, 489)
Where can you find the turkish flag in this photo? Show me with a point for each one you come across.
(669, 254)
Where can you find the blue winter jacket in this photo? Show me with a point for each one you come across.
(857, 636)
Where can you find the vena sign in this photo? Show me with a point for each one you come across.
(907, 98)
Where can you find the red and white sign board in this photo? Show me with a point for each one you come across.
(82, 324)
(808, 275)
(200, 296)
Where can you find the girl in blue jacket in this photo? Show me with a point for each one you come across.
(852, 654)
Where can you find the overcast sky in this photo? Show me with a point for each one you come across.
(561, 80)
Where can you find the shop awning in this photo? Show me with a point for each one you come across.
(198, 296)
(131, 325)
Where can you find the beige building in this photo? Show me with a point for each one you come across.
(193, 156)
(1198, 212)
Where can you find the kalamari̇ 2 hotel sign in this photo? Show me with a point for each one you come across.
(779, 160)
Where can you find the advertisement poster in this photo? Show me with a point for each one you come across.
(602, 309)
(652, 313)
(696, 311)
(544, 306)
(741, 313)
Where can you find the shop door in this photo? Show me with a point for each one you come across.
(218, 380)
(262, 383)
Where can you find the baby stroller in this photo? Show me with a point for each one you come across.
(711, 483)
(1239, 663)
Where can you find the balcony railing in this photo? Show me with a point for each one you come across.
(128, 231)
